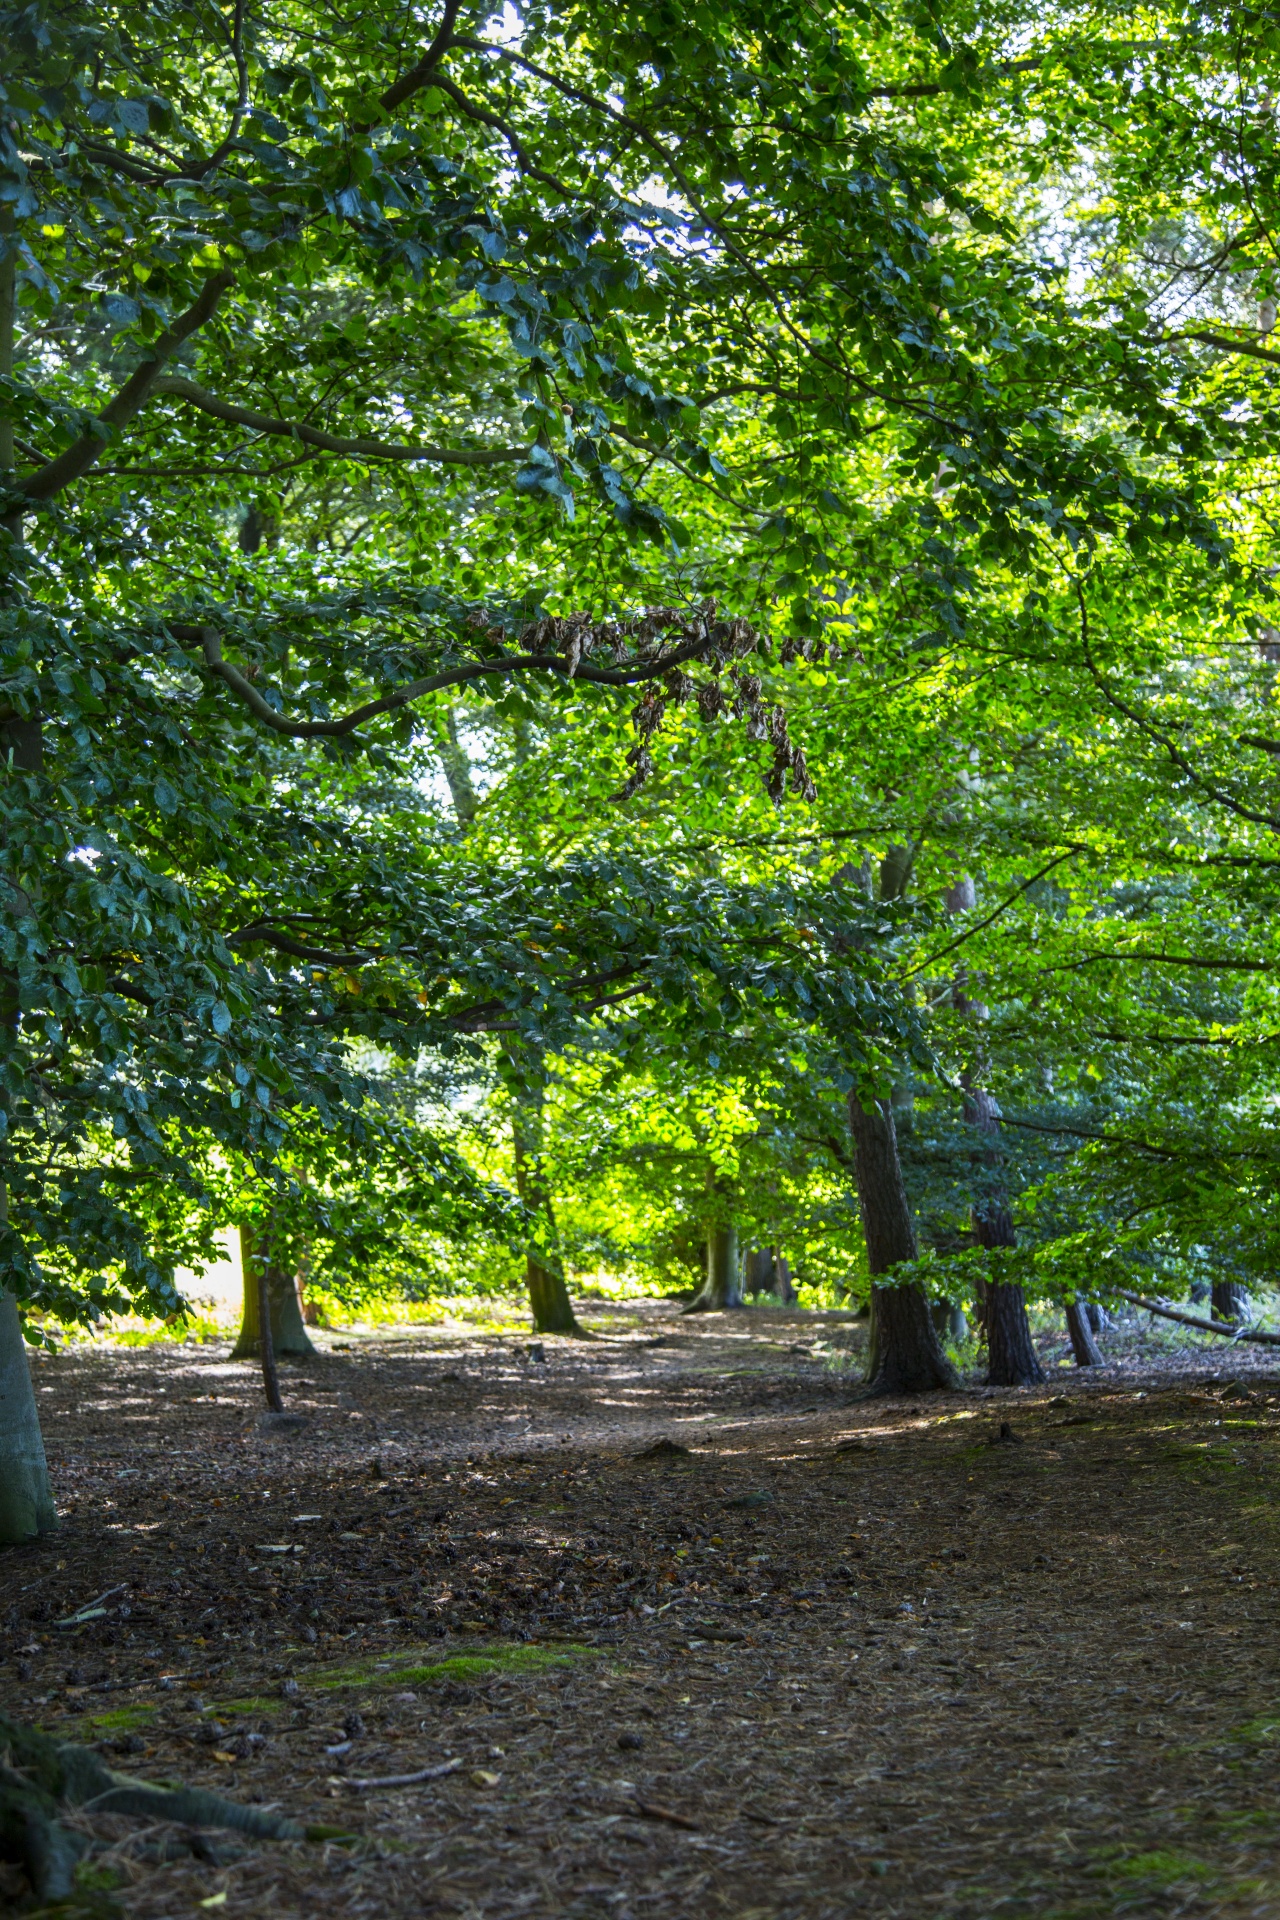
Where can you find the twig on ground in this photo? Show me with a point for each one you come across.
(402, 1779)
(652, 1811)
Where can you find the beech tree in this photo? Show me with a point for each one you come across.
(355, 372)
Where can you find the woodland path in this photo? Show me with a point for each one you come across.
(879, 1659)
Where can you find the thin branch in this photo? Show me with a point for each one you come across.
(1157, 734)
(986, 921)
(1168, 960)
(224, 147)
(129, 402)
(239, 416)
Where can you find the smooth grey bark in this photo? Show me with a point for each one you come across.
(722, 1287)
(949, 1320)
(26, 1501)
(1083, 1345)
(457, 772)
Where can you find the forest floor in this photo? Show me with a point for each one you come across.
(702, 1629)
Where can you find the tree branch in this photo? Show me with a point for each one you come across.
(1222, 344)
(995, 913)
(420, 76)
(207, 640)
(1157, 734)
(183, 389)
(132, 397)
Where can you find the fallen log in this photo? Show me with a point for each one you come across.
(1193, 1320)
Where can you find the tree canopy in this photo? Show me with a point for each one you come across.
(513, 519)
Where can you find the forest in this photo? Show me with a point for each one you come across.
(640, 771)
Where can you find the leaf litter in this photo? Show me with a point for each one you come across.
(524, 1669)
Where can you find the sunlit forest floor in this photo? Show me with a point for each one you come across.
(703, 1630)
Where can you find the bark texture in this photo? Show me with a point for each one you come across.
(289, 1336)
(1079, 1327)
(26, 1502)
(905, 1356)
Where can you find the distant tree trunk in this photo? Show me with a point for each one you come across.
(289, 1335)
(270, 1378)
(1099, 1318)
(1011, 1356)
(765, 1270)
(904, 1353)
(457, 772)
(1230, 1302)
(26, 1502)
(783, 1285)
(949, 1321)
(722, 1287)
(544, 1262)
(1083, 1345)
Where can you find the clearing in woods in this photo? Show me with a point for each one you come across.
(840, 1656)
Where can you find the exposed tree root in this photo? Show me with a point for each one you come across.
(41, 1777)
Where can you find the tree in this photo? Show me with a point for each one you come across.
(355, 370)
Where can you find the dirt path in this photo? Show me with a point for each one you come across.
(872, 1657)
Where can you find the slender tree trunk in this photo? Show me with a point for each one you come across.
(722, 1288)
(26, 1501)
(544, 1262)
(1230, 1302)
(1083, 1345)
(904, 1353)
(1098, 1317)
(270, 1378)
(949, 1321)
(1011, 1355)
(289, 1336)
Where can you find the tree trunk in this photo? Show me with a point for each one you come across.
(904, 1353)
(289, 1335)
(722, 1288)
(1098, 1317)
(949, 1321)
(26, 1502)
(765, 1270)
(270, 1378)
(1011, 1356)
(1230, 1302)
(544, 1262)
(1083, 1345)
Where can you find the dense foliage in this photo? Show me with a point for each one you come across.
(520, 525)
